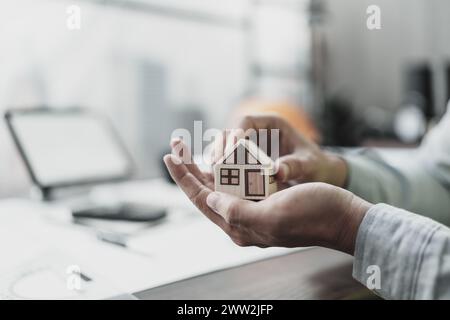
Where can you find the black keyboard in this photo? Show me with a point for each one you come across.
(125, 212)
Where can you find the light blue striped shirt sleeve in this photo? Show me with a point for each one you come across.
(411, 252)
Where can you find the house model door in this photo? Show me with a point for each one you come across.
(254, 183)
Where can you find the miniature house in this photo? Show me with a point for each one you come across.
(245, 171)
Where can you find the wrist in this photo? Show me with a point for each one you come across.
(336, 170)
(353, 213)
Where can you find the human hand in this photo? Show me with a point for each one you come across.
(300, 160)
(305, 215)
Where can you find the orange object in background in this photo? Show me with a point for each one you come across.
(295, 115)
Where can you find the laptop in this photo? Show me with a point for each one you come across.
(70, 151)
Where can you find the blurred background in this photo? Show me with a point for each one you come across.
(155, 65)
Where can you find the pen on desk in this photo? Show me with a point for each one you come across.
(118, 239)
(112, 237)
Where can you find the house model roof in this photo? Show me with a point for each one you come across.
(252, 148)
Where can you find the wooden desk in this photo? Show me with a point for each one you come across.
(316, 273)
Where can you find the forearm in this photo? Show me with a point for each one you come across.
(411, 252)
(405, 184)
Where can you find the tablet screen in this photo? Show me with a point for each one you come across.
(64, 148)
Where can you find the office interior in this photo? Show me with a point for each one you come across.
(152, 66)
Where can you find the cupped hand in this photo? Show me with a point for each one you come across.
(305, 215)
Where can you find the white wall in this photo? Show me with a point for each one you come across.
(367, 64)
(137, 67)
(99, 66)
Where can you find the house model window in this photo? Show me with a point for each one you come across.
(229, 177)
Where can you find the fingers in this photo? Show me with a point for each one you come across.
(180, 149)
(218, 147)
(235, 211)
(194, 189)
(231, 136)
(291, 167)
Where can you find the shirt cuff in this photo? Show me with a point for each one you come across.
(389, 250)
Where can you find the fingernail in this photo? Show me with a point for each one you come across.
(175, 141)
(212, 200)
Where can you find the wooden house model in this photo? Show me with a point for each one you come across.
(245, 171)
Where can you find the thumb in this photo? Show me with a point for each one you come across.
(235, 211)
(291, 167)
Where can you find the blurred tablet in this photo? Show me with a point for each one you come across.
(68, 147)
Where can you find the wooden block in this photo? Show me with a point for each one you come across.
(246, 172)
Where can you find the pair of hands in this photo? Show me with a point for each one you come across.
(316, 212)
